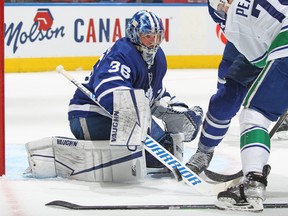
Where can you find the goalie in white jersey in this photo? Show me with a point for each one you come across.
(259, 30)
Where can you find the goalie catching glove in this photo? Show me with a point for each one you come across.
(178, 118)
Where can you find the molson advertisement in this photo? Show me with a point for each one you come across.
(40, 36)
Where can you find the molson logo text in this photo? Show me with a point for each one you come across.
(40, 30)
(90, 30)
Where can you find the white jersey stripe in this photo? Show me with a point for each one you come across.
(107, 80)
(108, 91)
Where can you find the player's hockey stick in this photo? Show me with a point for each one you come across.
(278, 124)
(159, 152)
(73, 206)
(217, 177)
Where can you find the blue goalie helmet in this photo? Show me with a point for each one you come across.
(146, 31)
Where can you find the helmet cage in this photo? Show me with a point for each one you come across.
(146, 30)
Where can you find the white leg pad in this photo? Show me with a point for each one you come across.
(41, 158)
(178, 145)
(94, 161)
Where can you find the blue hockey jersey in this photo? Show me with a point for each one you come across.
(120, 67)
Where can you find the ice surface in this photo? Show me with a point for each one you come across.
(36, 107)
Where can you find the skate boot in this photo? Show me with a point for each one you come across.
(199, 161)
(248, 195)
(282, 132)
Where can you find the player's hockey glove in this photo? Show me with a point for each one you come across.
(218, 4)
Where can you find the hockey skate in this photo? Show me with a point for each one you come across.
(248, 195)
(199, 161)
(282, 132)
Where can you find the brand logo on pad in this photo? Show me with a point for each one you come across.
(67, 142)
(114, 128)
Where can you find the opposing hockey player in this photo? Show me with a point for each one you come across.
(258, 29)
(236, 74)
(135, 62)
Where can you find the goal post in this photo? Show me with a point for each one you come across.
(2, 94)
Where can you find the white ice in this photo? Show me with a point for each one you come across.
(36, 107)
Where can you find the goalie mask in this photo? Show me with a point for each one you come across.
(146, 30)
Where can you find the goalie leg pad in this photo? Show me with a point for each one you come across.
(178, 145)
(41, 158)
(94, 161)
(98, 161)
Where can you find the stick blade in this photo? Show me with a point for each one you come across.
(218, 177)
(63, 204)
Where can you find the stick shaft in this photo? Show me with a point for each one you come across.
(69, 205)
(278, 124)
(81, 87)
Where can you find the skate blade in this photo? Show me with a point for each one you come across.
(253, 205)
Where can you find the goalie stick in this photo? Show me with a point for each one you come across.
(73, 206)
(159, 152)
(218, 177)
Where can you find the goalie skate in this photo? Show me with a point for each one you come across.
(252, 205)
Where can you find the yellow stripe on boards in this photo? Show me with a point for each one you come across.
(87, 62)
